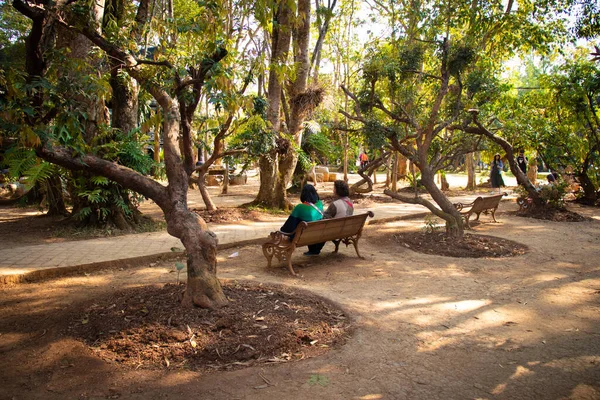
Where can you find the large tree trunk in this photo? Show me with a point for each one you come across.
(280, 46)
(268, 180)
(299, 100)
(454, 224)
(287, 165)
(124, 100)
(470, 166)
(203, 288)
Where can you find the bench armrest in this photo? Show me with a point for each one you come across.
(460, 206)
(278, 236)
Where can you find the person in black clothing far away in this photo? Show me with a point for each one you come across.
(522, 161)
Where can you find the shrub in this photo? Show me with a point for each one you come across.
(554, 195)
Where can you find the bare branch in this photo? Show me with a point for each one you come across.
(418, 200)
(353, 97)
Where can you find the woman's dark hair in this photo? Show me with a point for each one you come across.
(497, 155)
(309, 194)
(341, 188)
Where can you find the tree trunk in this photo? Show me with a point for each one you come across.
(203, 288)
(287, 164)
(532, 170)
(444, 185)
(454, 224)
(402, 166)
(124, 102)
(299, 106)
(590, 196)
(225, 179)
(280, 46)
(346, 145)
(268, 179)
(395, 172)
(208, 203)
(470, 166)
(54, 197)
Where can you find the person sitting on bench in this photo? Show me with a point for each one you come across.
(311, 209)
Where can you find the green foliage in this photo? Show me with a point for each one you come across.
(461, 56)
(416, 180)
(554, 195)
(431, 224)
(23, 162)
(13, 25)
(254, 136)
(317, 379)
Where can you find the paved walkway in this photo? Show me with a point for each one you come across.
(30, 262)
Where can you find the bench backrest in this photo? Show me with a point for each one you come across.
(329, 229)
(484, 203)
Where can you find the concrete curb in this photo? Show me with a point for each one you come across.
(72, 270)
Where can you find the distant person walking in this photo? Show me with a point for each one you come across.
(496, 168)
(364, 160)
(522, 161)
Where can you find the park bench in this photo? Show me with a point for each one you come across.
(346, 230)
(481, 204)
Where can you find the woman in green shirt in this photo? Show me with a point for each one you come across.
(311, 209)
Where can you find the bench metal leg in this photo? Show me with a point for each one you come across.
(467, 221)
(494, 214)
(268, 252)
(289, 260)
(355, 243)
(337, 245)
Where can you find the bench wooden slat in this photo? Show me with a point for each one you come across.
(347, 230)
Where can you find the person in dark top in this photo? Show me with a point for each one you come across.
(552, 177)
(496, 173)
(311, 209)
(522, 161)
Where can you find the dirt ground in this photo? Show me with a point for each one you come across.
(423, 326)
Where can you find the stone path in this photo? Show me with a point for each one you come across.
(28, 262)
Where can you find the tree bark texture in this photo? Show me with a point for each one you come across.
(470, 167)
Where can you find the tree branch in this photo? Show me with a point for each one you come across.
(418, 200)
(163, 63)
(122, 175)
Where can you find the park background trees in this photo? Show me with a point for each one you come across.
(80, 96)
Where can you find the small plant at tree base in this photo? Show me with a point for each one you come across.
(179, 266)
(317, 379)
(431, 224)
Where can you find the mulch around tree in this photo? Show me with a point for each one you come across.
(146, 327)
(552, 214)
(471, 246)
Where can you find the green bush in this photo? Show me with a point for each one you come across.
(554, 195)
